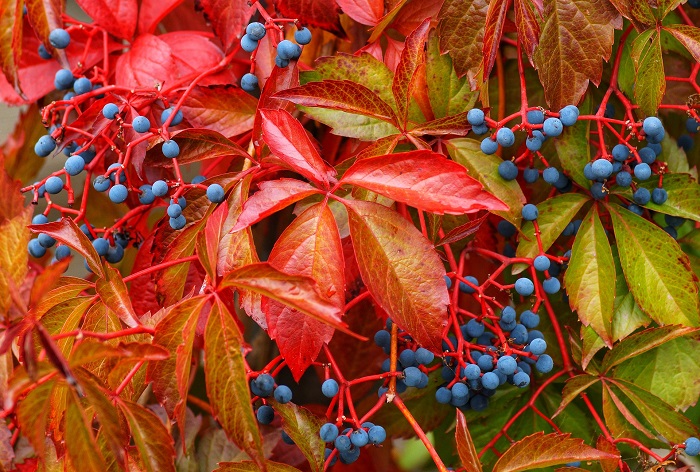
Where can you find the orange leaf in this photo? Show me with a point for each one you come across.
(114, 294)
(465, 445)
(67, 232)
(154, 443)
(412, 57)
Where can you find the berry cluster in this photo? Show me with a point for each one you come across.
(413, 361)
(348, 442)
(263, 386)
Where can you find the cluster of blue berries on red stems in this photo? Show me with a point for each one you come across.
(263, 386)
(349, 441)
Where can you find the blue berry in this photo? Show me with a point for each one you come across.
(508, 313)
(490, 380)
(215, 193)
(530, 175)
(541, 263)
(59, 38)
(635, 209)
(359, 438)
(489, 146)
(198, 179)
(519, 334)
(530, 212)
(115, 254)
(551, 285)
(641, 196)
(685, 142)
(642, 171)
(671, 231)
(674, 221)
(287, 439)
(382, 338)
(552, 127)
(506, 229)
(43, 53)
(62, 252)
(159, 188)
(248, 44)
(524, 287)
(508, 170)
(249, 82)
(652, 126)
(40, 220)
(602, 168)
(691, 125)
(475, 117)
(101, 184)
(141, 124)
(265, 384)
(535, 117)
(568, 115)
(171, 149)
(620, 152)
(623, 179)
(529, 319)
(656, 138)
(692, 444)
(647, 155)
(86, 231)
(412, 376)
(485, 363)
(110, 111)
(256, 31)
(538, 346)
(74, 165)
(54, 185)
(342, 443)
(659, 196)
(283, 394)
(479, 403)
(166, 114)
(146, 197)
(101, 245)
(118, 193)
(35, 249)
(407, 357)
(480, 129)
(544, 364)
(533, 143)
(330, 388)
(288, 50)
(326, 454)
(302, 36)
(265, 414)
(174, 210)
(550, 175)
(377, 435)
(45, 240)
(598, 191)
(506, 365)
(329, 432)
(466, 288)
(281, 63)
(424, 356)
(505, 137)
(178, 223)
(63, 80)
(448, 281)
(474, 328)
(521, 379)
(44, 146)
(443, 395)
(82, 85)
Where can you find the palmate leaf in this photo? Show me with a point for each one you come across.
(650, 86)
(303, 427)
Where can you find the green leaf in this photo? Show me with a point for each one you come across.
(628, 316)
(664, 419)
(554, 214)
(248, 466)
(590, 278)
(650, 371)
(674, 156)
(540, 450)
(465, 445)
(657, 271)
(484, 168)
(448, 94)
(683, 196)
(227, 385)
(573, 147)
(154, 443)
(401, 270)
(689, 36)
(591, 343)
(618, 418)
(642, 342)
(80, 439)
(650, 86)
(573, 388)
(303, 427)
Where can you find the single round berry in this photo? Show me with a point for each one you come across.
(474, 328)
(141, 124)
(490, 380)
(328, 432)
(265, 414)
(198, 179)
(647, 155)
(506, 229)
(489, 146)
(359, 438)
(641, 196)
(330, 388)
(475, 117)
(59, 38)
(466, 288)
(642, 171)
(288, 50)
(671, 231)
(530, 212)
(533, 143)
(535, 117)
(620, 152)
(44, 146)
(480, 130)
(377, 435)
(655, 138)
(551, 285)
(521, 379)
(115, 254)
(43, 53)
(281, 63)
(692, 444)
(382, 338)
(287, 439)
(166, 114)
(448, 281)
(82, 85)
(550, 175)
(35, 249)
(171, 149)
(407, 357)
(472, 372)
(215, 193)
(146, 197)
(691, 125)
(256, 31)
(74, 165)
(249, 82)
(115, 168)
(652, 126)
(602, 168)
(598, 191)
(508, 170)
(530, 175)
(623, 179)
(248, 44)
(302, 36)
(118, 193)
(552, 127)
(635, 209)
(265, 384)
(174, 210)
(283, 394)
(659, 196)
(63, 80)
(538, 346)
(508, 314)
(685, 142)
(544, 364)
(529, 319)
(443, 395)
(101, 245)
(507, 365)
(101, 184)
(505, 137)
(62, 252)
(40, 220)
(568, 115)
(159, 188)
(541, 263)
(412, 376)
(342, 443)
(110, 111)
(45, 240)
(524, 287)
(54, 185)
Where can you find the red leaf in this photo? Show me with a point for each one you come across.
(118, 17)
(193, 53)
(288, 141)
(310, 246)
(424, 179)
(540, 450)
(342, 95)
(148, 63)
(197, 145)
(225, 109)
(321, 13)
(280, 79)
(367, 12)
(208, 241)
(405, 79)
(493, 30)
(152, 12)
(465, 445)
(80, 438)
(11, 40)
(228, 18)
(45, 16)
(462, 231)
(154, 443)
(67, 232)
(453, 124)
(401, 270)
(528, 27)
(272, 196)
(114, 294)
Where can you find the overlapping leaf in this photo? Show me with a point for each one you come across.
(116, 17)
(196, 145)
(650, 84)
(228, 18)
(405, 78)
(465, 445)
(683, 196)
(225, 109)
(302, 426)
(67, 232)
(114, 294)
